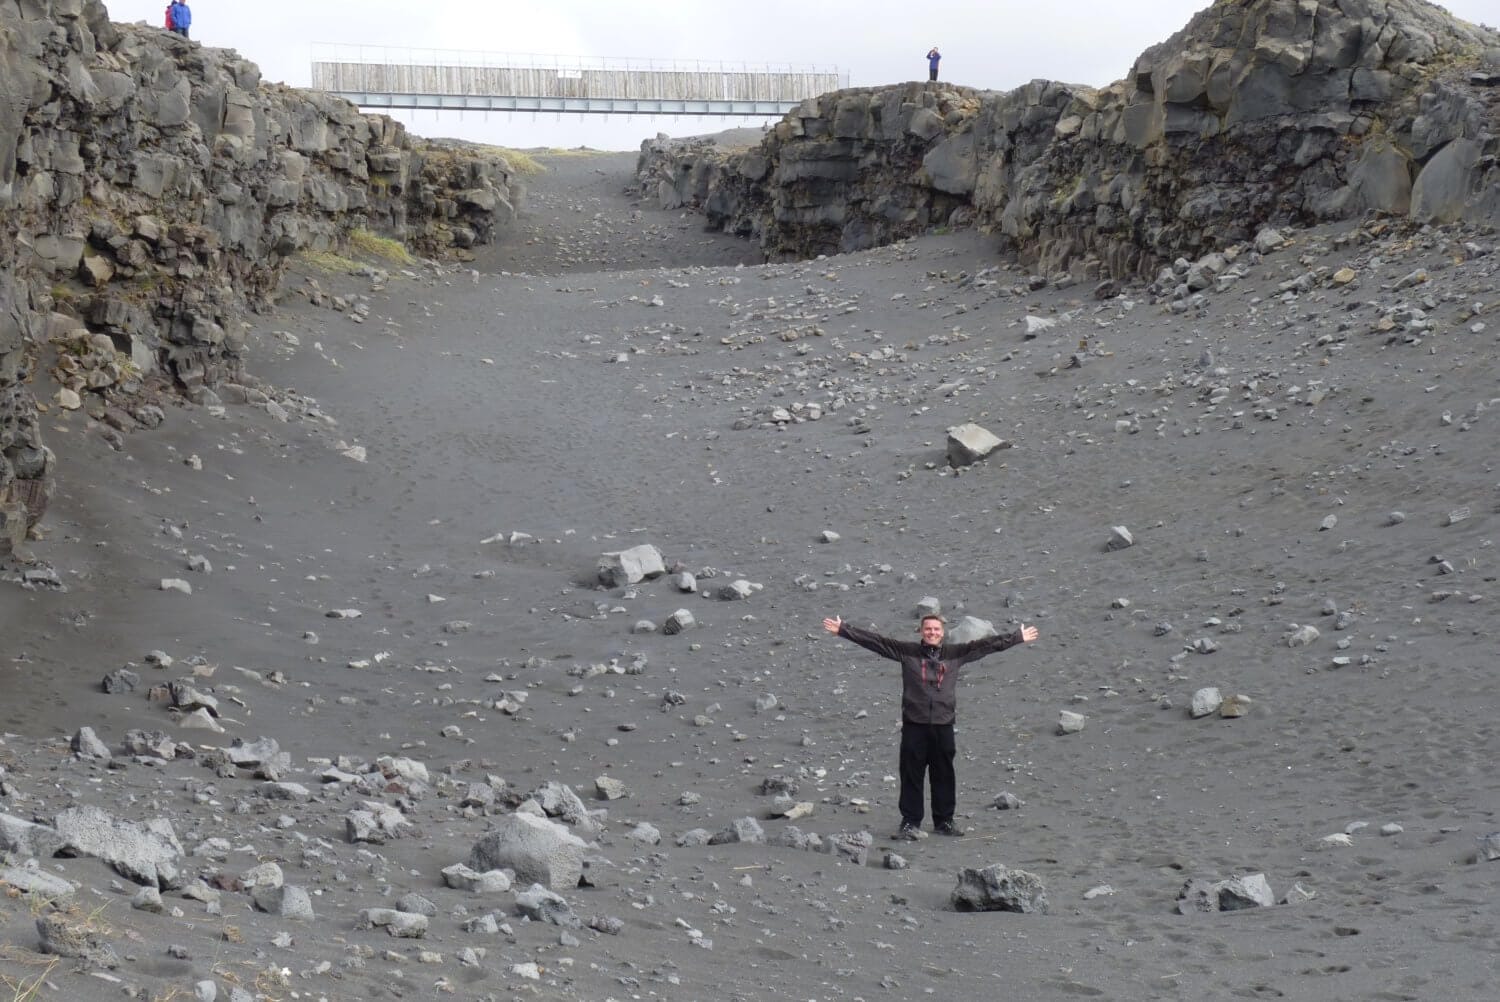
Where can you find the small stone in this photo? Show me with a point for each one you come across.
(86, 744)
(147, 899)
(969, 443)
(1302, 636)
(1206, 701)
(1235, 706)
(609, 788)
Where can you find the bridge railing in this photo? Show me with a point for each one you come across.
(395, 70)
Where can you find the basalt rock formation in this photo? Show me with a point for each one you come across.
(1257, 112)
(153, 191)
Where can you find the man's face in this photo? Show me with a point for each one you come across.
(932, 632)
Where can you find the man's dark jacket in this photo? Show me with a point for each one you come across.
(929, 675)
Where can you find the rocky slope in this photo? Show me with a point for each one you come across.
(153, 191)
(1258, 111)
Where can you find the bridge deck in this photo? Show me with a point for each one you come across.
(461, 81)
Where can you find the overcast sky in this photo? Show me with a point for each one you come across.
(995, 45)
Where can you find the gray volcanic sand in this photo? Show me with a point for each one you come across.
(571, 410)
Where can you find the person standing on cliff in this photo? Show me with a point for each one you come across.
(929, 699)
(180, 18)
(933, 58)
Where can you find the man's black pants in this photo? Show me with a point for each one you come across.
(927, 749)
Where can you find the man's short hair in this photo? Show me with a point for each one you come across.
(932, 615)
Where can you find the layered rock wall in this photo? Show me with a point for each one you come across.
(1258, 111)
(153, 190)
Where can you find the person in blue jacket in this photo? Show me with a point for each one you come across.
(929, 698)
(181, 18)
(933, 58)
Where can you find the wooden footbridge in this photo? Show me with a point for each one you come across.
(382, 77)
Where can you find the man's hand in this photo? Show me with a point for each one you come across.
(1028, 633)
(836, 623)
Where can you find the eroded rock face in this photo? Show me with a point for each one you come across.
(152, 190)
(1257, 112)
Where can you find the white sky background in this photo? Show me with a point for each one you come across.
(995, 45)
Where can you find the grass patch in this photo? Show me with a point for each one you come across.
(520, 163)
(24, 990)
(374, 245)
(328, 262)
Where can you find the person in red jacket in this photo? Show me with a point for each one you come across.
(929, 702)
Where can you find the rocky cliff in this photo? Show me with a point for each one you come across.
(1258, 111)
(153, 190)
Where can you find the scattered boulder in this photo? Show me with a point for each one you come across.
(536, 849)
(27, 838)
(1235, 706)
(542, 905)
(402, 925)
(1234, 894)
(33, 880)
(627, 567)
(147, 853)
(852, 846)
(969, 443)
(285, 901)
(610, 788)
(998, 888)
(86, 744)
(65, 936)
(743, 830)
(1206, 700)
(462, 878)
(971, 628)
(1069, 722)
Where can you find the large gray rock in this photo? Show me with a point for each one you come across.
(559, 800)
(285, 901)
(1234, 894)
(63, 935)
(536, 849)
(86, 744)
(402, 925)
(542, 905)
(746, 830)
(462, 878)
(1447, 183)
(36, 882)
(998, 888)
(147, 853)
(627, 567)
(969, 443)
(969, 629)
(23, 838)
(1380, 181)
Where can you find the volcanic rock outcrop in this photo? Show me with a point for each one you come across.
(1259, 111)
(153, 190)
